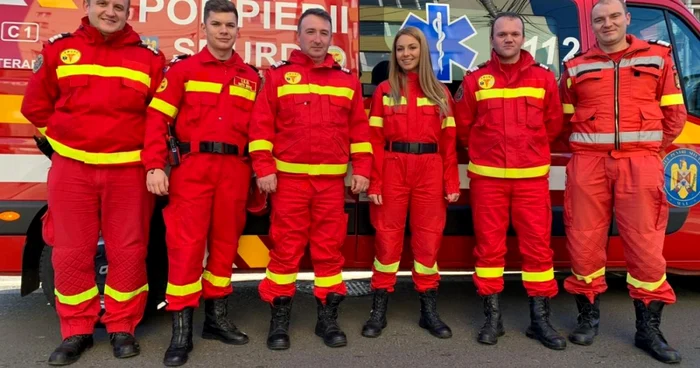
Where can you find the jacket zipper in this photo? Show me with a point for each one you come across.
(617, 106)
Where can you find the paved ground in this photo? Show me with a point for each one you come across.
(29, 332)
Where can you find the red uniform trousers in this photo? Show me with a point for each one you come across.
(84, 200)
(526, 201)
(206, 210)
(634, 187)
(415, 181)
(306, 210)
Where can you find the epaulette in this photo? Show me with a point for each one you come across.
(659, 42)
(345, 70)
(145, 45)
(59, 36)
(279, 64)
(254, 68)
(177, 58)
(475, 68)
(570, 57)
(542, 66)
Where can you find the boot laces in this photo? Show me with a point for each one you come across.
(280, 317)
(378, 310)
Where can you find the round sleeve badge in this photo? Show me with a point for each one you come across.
(163, 85)
(681, 177)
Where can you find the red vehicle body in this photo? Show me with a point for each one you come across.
(363, 32)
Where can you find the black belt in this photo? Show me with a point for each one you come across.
(212, 147)
(415, 148)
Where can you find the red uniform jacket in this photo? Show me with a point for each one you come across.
(310, 120)
(89, 94)
(416, 119)
(631, 104)
(212, 101)
(508, 123)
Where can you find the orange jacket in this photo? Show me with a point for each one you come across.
(310, 120)
(416, 119)
(507, 124)
(212, 101)
(632, 105)
(89, 94)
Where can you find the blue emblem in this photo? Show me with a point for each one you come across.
(681, 172)
(446, 39)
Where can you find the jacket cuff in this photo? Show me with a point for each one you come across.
(263, 171)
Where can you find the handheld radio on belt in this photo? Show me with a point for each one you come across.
(173, 147)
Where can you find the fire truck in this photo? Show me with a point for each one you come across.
(363, 30)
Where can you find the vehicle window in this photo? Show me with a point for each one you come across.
(687, 48)
(551, 32)
(648, 24)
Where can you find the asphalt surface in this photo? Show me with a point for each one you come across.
(29, 332)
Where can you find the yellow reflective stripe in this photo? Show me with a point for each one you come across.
(423, 270)
(363, 147)
(312, 169)
(95, 158)
(589, 278)
(182, 290)
(42, 130)
(486, 94)
(197, 86)
(301, 89)
(390, 268)
(568, 108)
(242, 92)
(328, 281)
(217, 281)
(649, 286)
(376, 122)
(424, 101)
(164, 107)
(568, 82)
(489, 272)
(260, 145)
(77, 298)
(542, 276)
(281, 279)
(388, 101)
(669, 100)
(103, 71)
(123, 297)
(508, 173)
(448, 122)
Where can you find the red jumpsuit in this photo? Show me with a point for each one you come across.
(506, 116)
(307, 124)
(211, 102)
(616, 132)
(89, 96)
(404, 179)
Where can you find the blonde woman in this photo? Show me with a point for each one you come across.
(415, 169)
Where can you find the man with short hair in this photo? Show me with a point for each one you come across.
(211, 96)
(507, 111)
(308, 122)
(88, 96)
(623, 106)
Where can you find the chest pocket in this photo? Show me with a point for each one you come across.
(490, 114)
(198, 104)
(72, 88)
(534, 112)
(644, 81)
(294, 109)
(134, 86)
(339, 110)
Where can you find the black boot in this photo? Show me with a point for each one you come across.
(648, 337)
(217, 326)
(70, 350)
(493, 327)
(181, 342)
(124, 345)
(278, 337)
(377, 316)
(540, 328)
(588, 321)
(327, 324)
(429, 318)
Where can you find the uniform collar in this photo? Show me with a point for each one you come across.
(205, 56)
(635, 45)
(525, 60)
(122, 37)
(298, 57)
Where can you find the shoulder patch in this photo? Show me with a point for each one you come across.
(254, 68)
(542, 66)
(279, 64)
(571, 57)
(60, 36)
(659, 42)
(145, 45)
(344, 70)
